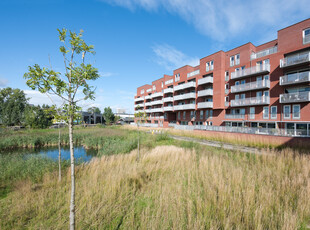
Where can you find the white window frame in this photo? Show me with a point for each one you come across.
(304, 36)
(201, 114)
(142, 91)
(273, 115)
(207, 114)
(232, 60)
(211, 65)
(289, 112)
(227, 99)
(226, 75)
(252, 115)
(237, 57)
(207, 66)
(184, 115)
(293, 112)
(179, 115)
(265, 114)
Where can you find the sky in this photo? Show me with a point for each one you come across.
(136, 41)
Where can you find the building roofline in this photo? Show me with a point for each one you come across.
(293, 24)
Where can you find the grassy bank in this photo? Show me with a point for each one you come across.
(171, 188)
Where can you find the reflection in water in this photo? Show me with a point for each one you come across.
(80, 153)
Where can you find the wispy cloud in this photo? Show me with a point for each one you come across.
(3, 82)
(171, 58)
(107, 74)
(221, 19)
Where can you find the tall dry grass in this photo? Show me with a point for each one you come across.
(171, 188)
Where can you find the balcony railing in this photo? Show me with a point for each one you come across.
(168, 108)
(203, 105)
(295, 97)
(148, 103)
(158, 94)
(264, 53)
(148, 110)
(234, 116)
(157, 110)
(206, 92)
(158, 102)
(147, 97)
(168, 99)
(295, 78)
(263, 84)
(264, 100)
(185, 86)
(295, 59)
(139, 99)
(193, 73)
(205, 80)
(168, 90)
(184, 96)
(139, 105)
(259, 69)
(184, 107)
(157, 117)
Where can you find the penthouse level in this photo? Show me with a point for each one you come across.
(253, 87)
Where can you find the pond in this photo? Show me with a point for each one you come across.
(80, 153)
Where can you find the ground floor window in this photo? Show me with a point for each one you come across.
(266, 112)
(273, 112)
(287, 111)
(296, 112)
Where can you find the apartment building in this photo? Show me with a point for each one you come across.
(249, 88)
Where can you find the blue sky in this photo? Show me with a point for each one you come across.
(136, 41)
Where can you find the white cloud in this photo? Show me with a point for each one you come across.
(3, 82)
(171, 58)
(222, 19)
(106, 74)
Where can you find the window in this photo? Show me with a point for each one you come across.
(266, 93)
(207, 114)
(201, 114)
(232, 61)
(177, 77)
(242, 82)
(306, 36)
(287, 111)
(179, 115)
(184, 115)
(266, 112)
(165, 116)
(252, 112)
(192, 115)
(273, 112)
(296, 111)
(154, 87)
(142, 91)
(237, 83)
(242, 96)
(211, 113)
(211, 65)
(237, 57)
(227, 99)
(226, 76)
(162, 84)
(207, 66)
(237, 69)
(226, 88)
(237, 97)
(259, 94)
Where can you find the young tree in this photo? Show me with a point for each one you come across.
(13, 103)
(140, 118)
(93, 110)
(65, 85)
(108, 115)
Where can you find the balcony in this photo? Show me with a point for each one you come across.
(185, 86)
(148, 97)
(157, 102)
(184, 107)
(205, 80)
(158, 94)
(205, 92)
(295, 78)
(168, 108)
(264, 53)
(148, 110)
(168, 99)
(168, 90)
(250, 101)
(264, 84)
(259, 69)
(157, 117)
(139, 105)
(184, 96)
(193, 73)
(139, 99)
(205, 105)
(234, 116)
(157, 110)
(147, 104)
(295, 97)
(296, 59)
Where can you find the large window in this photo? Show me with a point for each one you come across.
(211, 65)
(237, 57)
(306, 36)
(207, 66)
(232, 60)
(211, 113)
(266, 112)
(184, 115)
(296, 111)
(273, 112)
(201, 114)
(252, 113)
(207, 114)
(179, 115)
(287, 111)
(226, 76)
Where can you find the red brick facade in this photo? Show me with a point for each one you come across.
(249, 86)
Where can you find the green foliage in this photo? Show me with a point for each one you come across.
(13, 103)
(38, 117)
(108, 115)
(141, 117)
(93, 110)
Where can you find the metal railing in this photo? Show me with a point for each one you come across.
(206, 104)
(295, 78)
(193, 73)
(263, 84)
(205, 80)
(184, 107)
(158, 94)
(157, 110)
(168, 108)
(157, 102)
(184, 96)
(295, 97)
(184, 86)
(234, 116)
(205, 92)
(265, 68)
(139, 99)
(168, 99)
(264, 53)
(295, 59)
(264, 100)
(168, 90)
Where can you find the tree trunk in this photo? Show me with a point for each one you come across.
(72, 201)
(59, 155)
